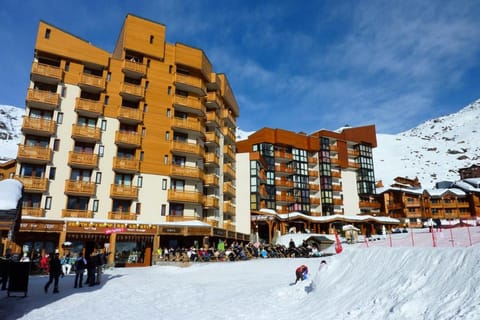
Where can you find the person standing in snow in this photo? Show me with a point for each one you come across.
(301, 273)
(55, 272)
(80, 266)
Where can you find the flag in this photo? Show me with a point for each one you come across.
(338, 244)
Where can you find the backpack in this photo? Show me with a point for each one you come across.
(80, 264)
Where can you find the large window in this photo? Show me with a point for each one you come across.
(77, 203)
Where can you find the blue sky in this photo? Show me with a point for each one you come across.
(296, 65)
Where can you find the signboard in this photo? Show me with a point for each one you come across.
(114, 230)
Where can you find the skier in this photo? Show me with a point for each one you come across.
(301, 273)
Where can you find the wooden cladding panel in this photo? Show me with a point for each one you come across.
(194, 58)
(144, 36)
(64, 44)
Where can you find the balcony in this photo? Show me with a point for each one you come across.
(353, 153)
(86, 133)
(70, 213)
(128, 139)
(34, 154)
(315, 201)
(134, 69)
(46, 73)
(181, 218)
(38, 126)
(313, 174)
(185, 148)
(125, 165)
(33, 212)
(338, 202)
(211, 138)
(117, 215)
(229, 171)
(189, 83)
(43, 99)
(312, 162)
(193, 173)
(353, 165)
(336, 174)
(80, 188)
(314, 187)
(185, 196)
(211, 180)
(214, 100)
(229, 208)
(189, 104)
(121, 191)
(283, 170)
(211, 202)
(229, 189)
(228, 135)
(284, 184)
(212, 119)
(91, 83)
(282, 156)
(369, 204)
(337, 187)
(33, 184)
(82, 160)
(211, 159)
(228, 119)
(130, 115)
(89, 108)
(284, 198)
(188, 125)
(228, 153)
(132, 91)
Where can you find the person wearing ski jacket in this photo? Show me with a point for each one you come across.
(301, 273)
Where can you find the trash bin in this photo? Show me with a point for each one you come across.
(18, 278)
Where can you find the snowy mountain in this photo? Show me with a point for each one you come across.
(10, 131)
(433, 151)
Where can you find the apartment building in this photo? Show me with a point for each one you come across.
(415, 206)
(130, 150)
(300, 182)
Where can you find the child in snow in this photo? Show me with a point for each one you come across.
(301, 273)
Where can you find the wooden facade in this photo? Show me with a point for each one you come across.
(113, 136)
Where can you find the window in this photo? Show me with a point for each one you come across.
(151, 39)
(101, 150)
(144, 131)
(138, 208)
(139, 181)
(141, 155)
(148, 63)
(164, 184)
(98, 178)
(145, 107)
(147, 83)
(95, 206)
(64, 92)
(105, 100)
(169, 90)
(164, 209)
(103, 125)
(51, 176)
(165, 159)
(176, 209)
(170, 69)
(48, 203)
(60, 118)
(169, 113)
(167, 135)
(109, 76)
(47, 33)
(67, 66)
(56, 144)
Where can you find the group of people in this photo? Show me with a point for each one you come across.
(93, 264)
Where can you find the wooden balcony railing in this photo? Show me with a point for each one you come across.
(186, 172)
(130, 138)
(211, 157)
(121, 164)
(130, 114)
(211, 137)
(46, 70)
(91, 80)
(80, 188)
(41, 98)
(121, 191)
(189, 148)
(185, 196)
(210, 202)
(34, 153)
(38, 126)
(82, 159)
(86, 133)
(117, 215)
(86, 106)
(33, 184)
(33, 212)
(70, 213)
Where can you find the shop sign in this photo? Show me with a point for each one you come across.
(115, 230)
(40, 226)
(219, 232)
(171, 230)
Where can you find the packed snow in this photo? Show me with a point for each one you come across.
(413, 275)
